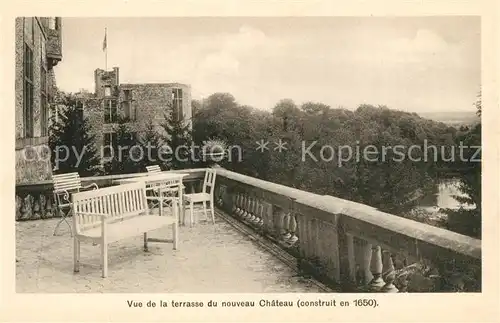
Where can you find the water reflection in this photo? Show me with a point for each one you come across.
(441, 195)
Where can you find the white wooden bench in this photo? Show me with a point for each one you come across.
(64, 186)
(114, 213)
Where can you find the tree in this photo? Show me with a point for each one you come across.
(125, 157)
(73, 147)
(467, 219)
(178, 138)
(150, 143)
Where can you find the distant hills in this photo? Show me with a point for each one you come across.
(452, 117)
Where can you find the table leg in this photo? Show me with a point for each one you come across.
(181, 206)
(160, 200)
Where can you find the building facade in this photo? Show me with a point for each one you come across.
(38, 48)
(140, 103)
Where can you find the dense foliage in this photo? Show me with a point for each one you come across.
(124, 159)
(318, 141)
(73, 147)
(467, 219)
(374, 155)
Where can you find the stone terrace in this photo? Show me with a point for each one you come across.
(345, 245)
(210, 259)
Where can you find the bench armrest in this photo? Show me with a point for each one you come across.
(64, 195)
(92, 185)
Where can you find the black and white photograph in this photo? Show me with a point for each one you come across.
(324, 155)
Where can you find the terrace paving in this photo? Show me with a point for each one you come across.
(211, 259)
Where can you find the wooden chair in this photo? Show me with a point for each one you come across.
(204, 197)
(107, 215)
(64, 186)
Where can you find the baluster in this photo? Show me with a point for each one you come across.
(261, 213)
(36, 209)
(27, 207)
(246, 203)
(241, 214)
(43, 206)
(376, 268)
(242, 206)
(234, 206)
(255, 211)
(366, 262)
(228, 199)
(280, 228)
(238, 210)
(251, 209)
(388, 273)
(292, 229)
(286, 227)
(19, 205)
(222, 193)
(276, 216)
(49, 207)
(268, 220)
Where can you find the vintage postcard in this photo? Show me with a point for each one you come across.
(207, 161)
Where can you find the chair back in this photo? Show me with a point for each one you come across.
(66, 182)
(64, 185)
(154, 169)
(209, 181)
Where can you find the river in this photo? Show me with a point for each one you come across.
(442, 196)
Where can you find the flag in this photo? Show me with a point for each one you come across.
(105, 42)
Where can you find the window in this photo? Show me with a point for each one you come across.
(110, 111)
(109, 144)
(44, 115)
(128, 106)
(107, 90)
(177, 103)
(28, 92)
(52, 23)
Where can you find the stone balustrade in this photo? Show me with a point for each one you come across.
(342, 243)
(36, 200)
(352, 245)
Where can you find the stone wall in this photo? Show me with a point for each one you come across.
(150, 101)
(32, 31)
(33, 164)
(153, 100)
(29, 30)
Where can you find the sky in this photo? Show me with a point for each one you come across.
(417, 64)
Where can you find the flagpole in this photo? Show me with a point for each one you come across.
(106, 49)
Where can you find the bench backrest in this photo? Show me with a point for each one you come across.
(209, 181)
(154, 169)
(66, 182)
(117, 203)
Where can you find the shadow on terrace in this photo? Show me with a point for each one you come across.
(267, 238)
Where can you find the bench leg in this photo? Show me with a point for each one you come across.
(76, 254)
(175, 236)
(104, 259)
(205, 209)
(191, 213)
(213, 211)
(145, 241)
